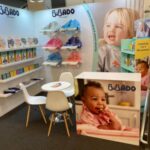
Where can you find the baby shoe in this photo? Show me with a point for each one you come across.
(74, 25)
(55, 57)
(51, 27)
(73, 59)
(73, 42)
(65, 26)
(53, 44)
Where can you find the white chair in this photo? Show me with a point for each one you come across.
(57, 102)
(68, 77)
(33, 100)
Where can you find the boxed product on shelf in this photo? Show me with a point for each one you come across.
(0, 59)
(128, 44)
(4, 76)
(30, 41)
(29, 53)
(4, 57)
(33, 52)
(11, 56)
(13, 73)
(142, 28)
(35, 41)
(2, 44)
(10, 42)
(23, 42)
(36, 65)
(18, 55)
(24, 55)
(18, 42)
(30, 67)
(8, 75)
(26, 69)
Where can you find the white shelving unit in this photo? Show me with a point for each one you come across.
(18, 48)
(19, 62)
(28, 85)
(18, 76)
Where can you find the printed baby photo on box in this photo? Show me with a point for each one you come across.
(108, 106)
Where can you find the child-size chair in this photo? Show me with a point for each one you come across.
(33, 100)
(68, 77)
(57, 102)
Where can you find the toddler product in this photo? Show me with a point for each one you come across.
(73, 59)
(51, 27)
(53, 43)
(54, 58)
(73, 43)
(71, 25)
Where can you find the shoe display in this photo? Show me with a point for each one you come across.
(51, 27)
(55, 57)
(73, 43)
(53, 43)
(73, 59)
(71, 25)
(65, 26)
(74, 25)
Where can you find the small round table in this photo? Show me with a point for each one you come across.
(59, 86)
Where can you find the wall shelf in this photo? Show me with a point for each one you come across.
(19, 62)
(128, 52)
(21, 75)
(128, 68)
(18, 48)
(28, 85)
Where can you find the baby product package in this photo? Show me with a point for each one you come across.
(108, 106)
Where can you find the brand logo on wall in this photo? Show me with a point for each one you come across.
(8, 11)
(62, 12)
(118, 87)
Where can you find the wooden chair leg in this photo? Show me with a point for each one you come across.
(28, 115)
(42, 113)
(51, 122)
(68, 117)
(65, 120)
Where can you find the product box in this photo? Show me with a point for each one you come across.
(24, 42)
(8, 75)
(30, 42)
(142, 28)
(33, 52)
(4, 57)
(0, 59)
(18, 55)
(4, 76)
(31, 67)
(18, 42)
(24, 54)
(108, 106)
(26, 69)
(35, 41)
(11, 56)
(29, 53)
(2, 43)
(11, 43)
(128, 44)
(13, 73)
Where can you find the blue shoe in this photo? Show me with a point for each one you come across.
(55, 57)
(66, 26)
(74, 25)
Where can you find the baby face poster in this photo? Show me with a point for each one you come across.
(108, 106)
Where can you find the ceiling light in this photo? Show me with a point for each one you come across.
(38, 1)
